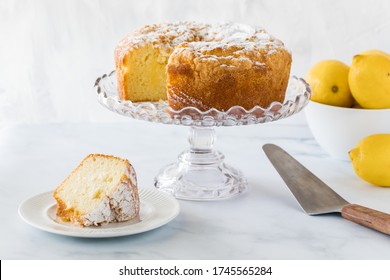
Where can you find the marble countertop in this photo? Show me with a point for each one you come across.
(263, 223)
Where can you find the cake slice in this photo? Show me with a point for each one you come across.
(102, 189)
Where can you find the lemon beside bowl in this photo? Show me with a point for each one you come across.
(371, 159)
(338, 130)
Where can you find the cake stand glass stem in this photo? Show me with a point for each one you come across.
(201, 150)
(200, 173)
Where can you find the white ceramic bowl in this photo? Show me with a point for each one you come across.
(338, 130)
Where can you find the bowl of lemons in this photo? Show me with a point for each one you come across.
(350, 103)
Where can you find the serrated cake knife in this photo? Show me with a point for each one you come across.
(316, 198)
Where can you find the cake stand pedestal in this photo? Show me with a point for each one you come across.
(200, 172)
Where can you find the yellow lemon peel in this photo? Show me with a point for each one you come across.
(371, 159)
(328, 80)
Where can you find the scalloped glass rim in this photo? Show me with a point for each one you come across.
(297, 96)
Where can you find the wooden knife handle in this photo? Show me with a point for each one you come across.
(367, 217)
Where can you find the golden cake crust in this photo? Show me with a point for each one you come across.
(235, 77)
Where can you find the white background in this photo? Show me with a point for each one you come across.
(52, 51)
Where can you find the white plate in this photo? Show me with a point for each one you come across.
(157, 208)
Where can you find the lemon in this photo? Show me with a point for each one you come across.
(328, 80)
(369, 79)
(371, 159)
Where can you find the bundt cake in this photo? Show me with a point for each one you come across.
(202, 65)
(102, 189)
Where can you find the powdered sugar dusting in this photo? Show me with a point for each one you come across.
(200, 36)
(239, 38)
(122, 205)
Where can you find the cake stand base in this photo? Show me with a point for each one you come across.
(200, 173)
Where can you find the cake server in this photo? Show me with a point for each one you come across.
(316, 198)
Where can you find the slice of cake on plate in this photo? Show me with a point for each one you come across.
(102, 189)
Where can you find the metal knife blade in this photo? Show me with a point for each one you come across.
(314, 196)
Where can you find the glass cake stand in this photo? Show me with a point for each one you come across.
(200, 172)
